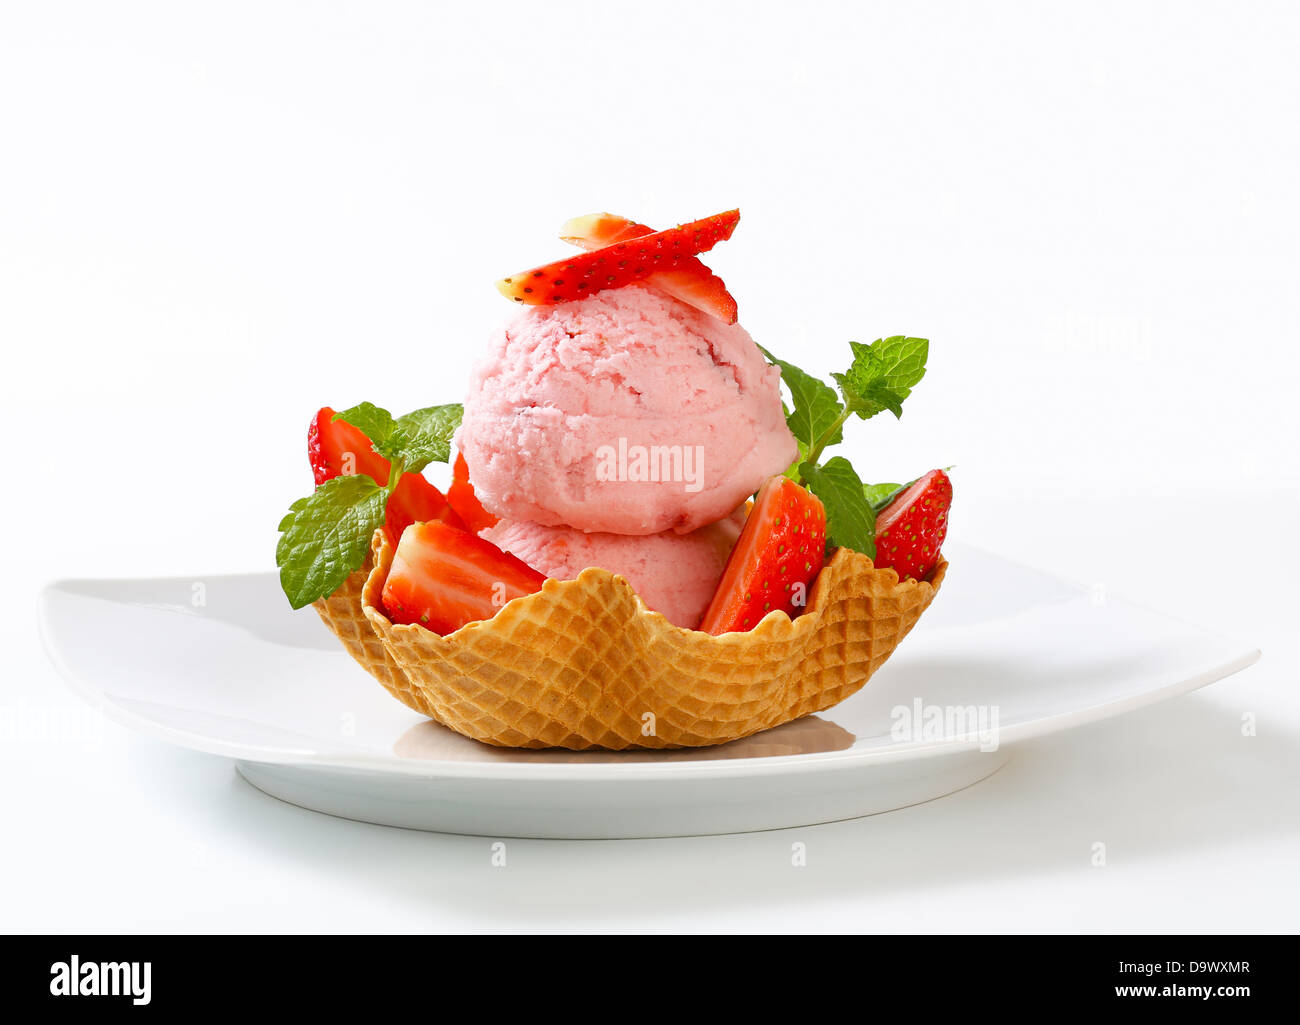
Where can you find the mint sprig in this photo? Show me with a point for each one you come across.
(881, 377)
(883, 374)
(416, 439)
(375, 423)
(424, 436)
(850, 520)
(325, 536)
(816, 409)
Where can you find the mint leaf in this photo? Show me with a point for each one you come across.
(850, 520)
(880, 495)
(816, 407)
(883, 374)
(324, 537)
(375, 423)
(424, 436)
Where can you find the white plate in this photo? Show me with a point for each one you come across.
(222, 665)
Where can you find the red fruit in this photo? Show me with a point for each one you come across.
(777, 557)
(335, 447)
(461, 497)
(910, 530)
(595, 231)
(691, 282)
(415, 500)
(443, 578)
(706, 292)
(620, 264)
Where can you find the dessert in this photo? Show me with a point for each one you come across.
(675, 574)
(570, 398)
(641, 544)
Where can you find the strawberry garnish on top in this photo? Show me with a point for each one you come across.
(462, 498)
(910, 530)
(622, 263)
(443, 578)
(690, 281)
(335, 448)
(777, 557)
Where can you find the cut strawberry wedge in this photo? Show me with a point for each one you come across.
(335, 448)
(415, 500)
(777, 557)
(443, 578)
(691, 282)
(911, 529)
(462, 498)
(620, 264)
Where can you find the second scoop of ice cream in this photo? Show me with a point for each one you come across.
(627, 412)
(675, 574)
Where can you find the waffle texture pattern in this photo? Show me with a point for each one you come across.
(584, 664)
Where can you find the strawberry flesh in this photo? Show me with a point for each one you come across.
(443, 577)
(777, 557)
(462, 498)
(690, 282)
(595, 231)
(620, 264)
(335, 447)
(911, 529)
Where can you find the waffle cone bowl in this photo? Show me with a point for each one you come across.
(584, 664)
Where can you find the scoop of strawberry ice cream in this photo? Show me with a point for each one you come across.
(626, 412)
(675, 574)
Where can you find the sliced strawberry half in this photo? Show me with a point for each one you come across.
(462, 498)
(415, 500)
(443, 577)
(691, 281)
(335, 447)
(777, 557)
(910, 530)
(620, 264)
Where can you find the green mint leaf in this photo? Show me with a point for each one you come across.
(850, 520)
(424, 436)
(816, 407)
(883, 374)
(880, 495)
(375, 423)
(325, 536)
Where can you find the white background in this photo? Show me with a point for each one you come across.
(215, 218)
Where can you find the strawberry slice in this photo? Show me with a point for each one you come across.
(595, 231)
(335, 447)
(461, 497)
(777, 557)
(415, 500)
(691, 282)
(443, 578)
(620, 264)
(910, 530)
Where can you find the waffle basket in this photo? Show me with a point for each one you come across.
(585, 664)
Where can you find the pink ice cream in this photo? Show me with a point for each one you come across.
(628, 412)
(675, 574)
